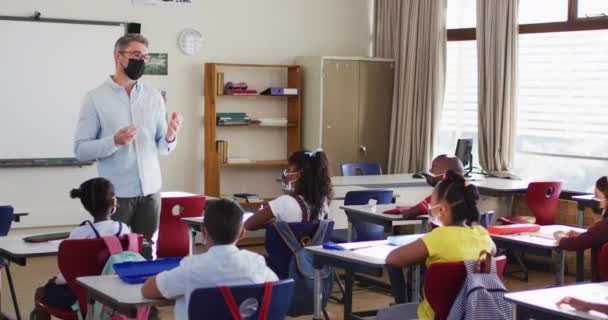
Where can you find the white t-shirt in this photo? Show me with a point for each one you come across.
(221, 265)
(104, 228)
(286, 208)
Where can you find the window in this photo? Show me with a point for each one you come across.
(459, 116)
(461, 14)
(562, 106)
(540, 11)
(592, 8)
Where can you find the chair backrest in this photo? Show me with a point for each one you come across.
(173, 234)
(443, 281)
(6, 219)
(365, 231)
(208, 303)
(279, 254)
(543, 199)
(603, 263)
(85, 257)
(361, 169)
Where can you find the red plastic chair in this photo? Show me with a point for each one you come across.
(603, 263)
(174, 235)
(543, 199)
(80, 258)
(443, 282)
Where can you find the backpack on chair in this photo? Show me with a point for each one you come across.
(301, 268)
(482, 294)
(117, 255)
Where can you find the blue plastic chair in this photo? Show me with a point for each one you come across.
(279, 254)
(365, 169)
(6, 219)
(364, 231)
(208, 303)
(485, 219)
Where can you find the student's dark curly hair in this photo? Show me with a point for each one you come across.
(462, 198)
(602, 185)
(96, 195)
(314, 184)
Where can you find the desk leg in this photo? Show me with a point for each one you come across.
(90, 307)
(580, 218)
(317, 295)
(560, 262)
(349, 231)
(424, 226)
(192, 242)
(580, 266)
(348, 295)
(11, 286)
(415, 284)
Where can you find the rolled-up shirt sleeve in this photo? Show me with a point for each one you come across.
(87, 145)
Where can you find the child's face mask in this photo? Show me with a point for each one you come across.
(287, 182)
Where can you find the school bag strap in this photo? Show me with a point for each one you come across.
(119, 228)
(92, 227)
(113, 244)
(302, 207)
(133, 242)
(484, 264)
(233, 308)
(290, 240)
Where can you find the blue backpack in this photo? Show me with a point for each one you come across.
(301, 268)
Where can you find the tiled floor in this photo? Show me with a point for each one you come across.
(38, 270)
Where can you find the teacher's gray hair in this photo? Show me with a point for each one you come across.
(124, 41)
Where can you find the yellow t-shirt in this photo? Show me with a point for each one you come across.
(451, 244)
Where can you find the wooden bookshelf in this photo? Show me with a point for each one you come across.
(293, 142)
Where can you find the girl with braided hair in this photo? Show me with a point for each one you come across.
(453, 206)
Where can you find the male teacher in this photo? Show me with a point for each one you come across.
(122, 125)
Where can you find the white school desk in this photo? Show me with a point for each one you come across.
(14, 249)
(541, 304)
(116, 294)
(196, 222)
(375, 215)
(369, 259)
(541, 243)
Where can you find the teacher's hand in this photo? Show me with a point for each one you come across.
(175, 124)
(125, 135)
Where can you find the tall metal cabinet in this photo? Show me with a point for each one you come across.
(347, 108)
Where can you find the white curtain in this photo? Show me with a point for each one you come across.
(413, 33)
(497, 33)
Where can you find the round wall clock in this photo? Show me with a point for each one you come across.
(190, 41)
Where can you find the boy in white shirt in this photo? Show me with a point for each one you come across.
(222, 264)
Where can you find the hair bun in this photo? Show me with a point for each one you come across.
(75, 193)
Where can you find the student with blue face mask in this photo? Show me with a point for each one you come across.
(307, 184)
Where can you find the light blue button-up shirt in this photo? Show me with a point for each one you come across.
(134, 168)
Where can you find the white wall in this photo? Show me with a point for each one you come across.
(260, 31)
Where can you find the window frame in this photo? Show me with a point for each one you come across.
(574, 23)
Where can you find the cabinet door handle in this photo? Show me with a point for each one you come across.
(363, 150)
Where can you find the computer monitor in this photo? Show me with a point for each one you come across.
(464, 148)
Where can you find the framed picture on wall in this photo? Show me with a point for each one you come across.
(158, 65)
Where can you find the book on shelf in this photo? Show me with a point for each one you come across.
(241, 92)
(249, 197)
(231, 115)
(280, 91)
(222, 150)
(220, 83)
(233, 122)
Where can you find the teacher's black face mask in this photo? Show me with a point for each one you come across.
(135, 69)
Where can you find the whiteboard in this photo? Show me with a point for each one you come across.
(46, 70)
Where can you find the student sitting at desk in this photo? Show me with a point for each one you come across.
(453, 205)
(597, 235)
(308, 183)
(222, 264)
(439, 166)
(97, 197)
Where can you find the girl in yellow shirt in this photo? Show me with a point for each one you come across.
(454, 207)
